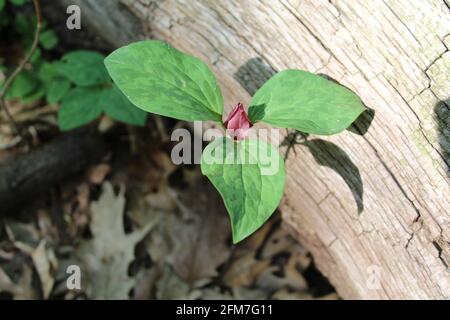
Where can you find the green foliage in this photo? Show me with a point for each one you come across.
(236, 169)
(309, 103)
(57, 89)
(79, 107)
(78, 80)
(118, 107)
(23, 85)
(84, 104)
(92, 91)
(48, 39)
(83, 68)
(18, 2)
(160, 79)
(154, 77)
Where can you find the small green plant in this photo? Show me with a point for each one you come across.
(160, 79)
(78, 81)
(14, 25)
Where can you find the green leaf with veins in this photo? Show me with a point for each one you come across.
(82, 105)
(306, 102)
(84, 68)
(160, 79)
(249, 176)
(24, 84)
(118, 107)
(46, 72)
(79, 107)
(57, 89)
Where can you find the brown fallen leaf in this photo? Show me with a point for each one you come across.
(257, 239)
(106, 257)
(159, 208)
(23, 289)
(199, 234)
(78, 220)
(249, 294)
(278, 242)
(46, 264)
(165, 163)
(286, 294)
(244, 270)
(44, 261)
(146, 283)
(6, 255)
(170, 286)
(6, 284)
(215, 293)
(47, 229)
(83, 193)
(23, 233)
(98, 173)
(271, 281)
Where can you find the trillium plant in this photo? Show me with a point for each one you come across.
(158, 78)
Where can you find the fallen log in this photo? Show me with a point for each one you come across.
(32, 174)
(373, 209)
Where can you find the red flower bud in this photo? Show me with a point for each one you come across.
(238, 123)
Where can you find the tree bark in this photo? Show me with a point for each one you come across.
(373, 208)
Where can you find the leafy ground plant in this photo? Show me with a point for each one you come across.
(80, 83)
(87, 92)
(78, 80)
(160, 79)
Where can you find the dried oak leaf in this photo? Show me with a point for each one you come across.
(45, 263)
(107, 255)
(24, 238)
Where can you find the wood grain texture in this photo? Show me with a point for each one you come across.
(373, 209)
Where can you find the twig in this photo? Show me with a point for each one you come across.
(20, 67)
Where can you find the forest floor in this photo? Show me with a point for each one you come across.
(140, 227)
(136, 225)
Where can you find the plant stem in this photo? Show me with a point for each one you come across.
(19, 68)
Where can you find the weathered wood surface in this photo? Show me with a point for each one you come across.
(391, 220)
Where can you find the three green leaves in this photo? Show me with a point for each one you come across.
(160, 79)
